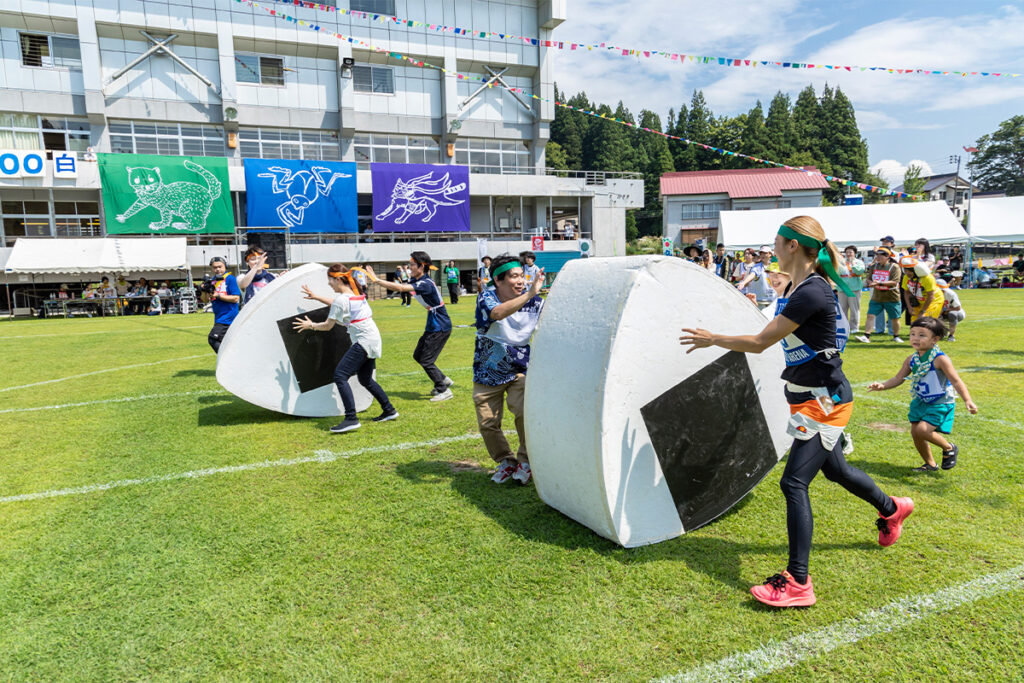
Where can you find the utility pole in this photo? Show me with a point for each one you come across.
(955, 159)
(970, 194)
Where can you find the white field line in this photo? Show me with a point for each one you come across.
(118, 332)
(205, 392)
(320, 456)
(100, 372)
(123, 399)
(892, 617)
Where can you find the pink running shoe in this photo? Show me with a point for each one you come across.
(782, 591)
(890, 528)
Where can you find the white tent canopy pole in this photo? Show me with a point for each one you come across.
(106, 255)
(861, 226)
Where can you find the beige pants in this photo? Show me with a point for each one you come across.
(489, 409)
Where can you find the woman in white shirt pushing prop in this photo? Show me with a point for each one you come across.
(350, 308)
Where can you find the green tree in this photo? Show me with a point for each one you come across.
(631, 230)
(699, 122)
(754, 134)
(845, 149)
(682, 160)
(610, 143)
(654, 160)
(913, 181)
(778, 128)
(565, 130)
(999, 162)
(554, 156)
(806, 119)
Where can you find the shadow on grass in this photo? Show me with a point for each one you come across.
(196, 372)
(225, 410)
(521, 512)
(1005, 352)
(172, 328)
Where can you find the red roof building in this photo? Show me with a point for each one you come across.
(692, 200)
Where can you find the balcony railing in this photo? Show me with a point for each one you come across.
(594, 177)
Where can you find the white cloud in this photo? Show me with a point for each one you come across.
(876, 120)
(892, 171)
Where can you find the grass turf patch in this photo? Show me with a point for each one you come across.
(409, 564)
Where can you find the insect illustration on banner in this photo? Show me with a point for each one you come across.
(302, 188)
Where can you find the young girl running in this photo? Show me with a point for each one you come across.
(349, 307)
(932, 404)
(813, 332)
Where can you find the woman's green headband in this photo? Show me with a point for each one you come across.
(505, 266)
(824, 257)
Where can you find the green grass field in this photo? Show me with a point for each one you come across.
(397, 560)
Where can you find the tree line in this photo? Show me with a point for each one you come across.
(815, 130)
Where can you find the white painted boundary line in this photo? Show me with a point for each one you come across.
(100, 372)
(318, 456)
(894, 616)
(118, 332)
(123, 399)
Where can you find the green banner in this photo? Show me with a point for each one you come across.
(148, 193)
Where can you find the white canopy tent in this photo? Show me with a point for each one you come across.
(861, 226)
(999, 219)
(106, 255)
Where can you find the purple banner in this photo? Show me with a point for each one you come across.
(420, 197)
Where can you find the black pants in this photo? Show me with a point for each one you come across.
(453, 292)
(805, 459)
(428, 348)
(217, 335)
(356, 362)
(407, 298)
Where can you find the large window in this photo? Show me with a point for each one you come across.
(375, 79)
(77, 219)
(50, 51)
(284, 143)
(137, 137)
(701, 210)
(25, 219)
(374, 6)
(32, 131)
(256, 69)
(508, 157)
(397, 149)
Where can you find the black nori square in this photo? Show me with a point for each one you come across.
(313, 355)
(711, 438)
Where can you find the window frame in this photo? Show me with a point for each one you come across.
(301, 139)
(259, 69)
(365, 144)
(494, 157)
(159, 134)
(49, 47)
(374, 69)
(359, 6)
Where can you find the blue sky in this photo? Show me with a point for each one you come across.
(905, 118)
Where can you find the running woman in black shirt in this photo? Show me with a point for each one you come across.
(813, 332)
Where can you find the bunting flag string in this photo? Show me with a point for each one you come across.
(279, 14)
(679, 57)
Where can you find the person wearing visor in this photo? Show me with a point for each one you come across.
(506, 316)
(756, 281)
(922, 295)
(224, 300)
(813, 332)
(350, 308)
(439, 325)
(883, 278)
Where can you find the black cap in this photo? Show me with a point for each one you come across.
(889, 238)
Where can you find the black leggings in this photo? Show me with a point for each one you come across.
(356, 362)
(805, 459)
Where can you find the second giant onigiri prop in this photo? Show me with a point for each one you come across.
(627, 433)
(264, 361)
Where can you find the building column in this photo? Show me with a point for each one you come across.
(346, 103)
(228, 82)
(450, 122)
(92, 78)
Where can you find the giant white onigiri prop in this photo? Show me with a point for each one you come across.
(627, 433)
(264, 361)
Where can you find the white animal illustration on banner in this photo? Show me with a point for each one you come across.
(421, 197)
(302, 188)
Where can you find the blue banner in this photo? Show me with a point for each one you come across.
(302, 195)
(420, 197)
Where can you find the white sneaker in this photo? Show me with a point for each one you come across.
(505, 471)
(897, 340)
(864, 338)
(522, 473)
(443, 396)
(448, 381)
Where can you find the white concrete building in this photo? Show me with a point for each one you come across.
(220, 78)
